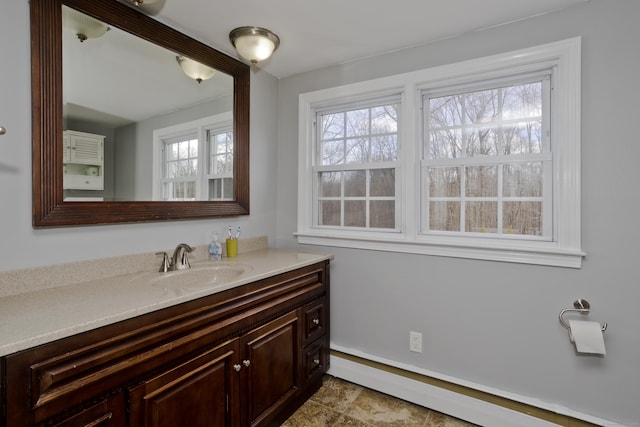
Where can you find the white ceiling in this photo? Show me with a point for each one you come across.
(112, 88)
(317, 34)
(118, 79)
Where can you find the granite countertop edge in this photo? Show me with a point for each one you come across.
(44, 315)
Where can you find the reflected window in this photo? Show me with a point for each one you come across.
(180, 168)
(220, 163)
(194, 160)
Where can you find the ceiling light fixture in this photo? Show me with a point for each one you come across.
(194, 69)
(84, 26)
(254, 44)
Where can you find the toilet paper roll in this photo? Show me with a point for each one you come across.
(587, 336)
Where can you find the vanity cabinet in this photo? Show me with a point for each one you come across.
(205, 382)
(240, 382)
(83, 158)
(247, 356)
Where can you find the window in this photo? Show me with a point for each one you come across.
(220, 170)
(194, 160)
(355, 175)
(479, 159)
(487, 159)
(180, 168)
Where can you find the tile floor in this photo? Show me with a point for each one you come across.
(339, 403)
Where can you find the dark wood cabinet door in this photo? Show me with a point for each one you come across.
(271, 368)
(202, 392)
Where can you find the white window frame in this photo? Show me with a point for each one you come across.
(565, 248)
(219, 128)
(199, 127)
(367, 166)
(545, 157)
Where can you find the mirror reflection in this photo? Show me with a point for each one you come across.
(141, 123)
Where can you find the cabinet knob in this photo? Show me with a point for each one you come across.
(2, 130)
(316, 361)
(316, 321)
(237, 367)
(246, 363)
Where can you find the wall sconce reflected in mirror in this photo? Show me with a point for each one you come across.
(254, 44)
(194, 69)
(84, 26)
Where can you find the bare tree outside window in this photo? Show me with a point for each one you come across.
(478, 159)
(356, 175)
(481, 170)
(220, 168)
(180, 169)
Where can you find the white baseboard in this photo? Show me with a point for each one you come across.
(436, 398)
(459, 405)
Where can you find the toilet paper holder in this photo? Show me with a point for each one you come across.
(580, 306)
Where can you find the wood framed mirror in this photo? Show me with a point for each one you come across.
(49, 206)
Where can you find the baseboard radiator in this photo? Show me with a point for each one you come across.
(461, 401)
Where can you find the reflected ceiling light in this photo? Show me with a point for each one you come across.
(84, 26)
(254, 43)
(194, 69)
(141, 2)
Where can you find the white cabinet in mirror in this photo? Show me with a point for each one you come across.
(83, 157)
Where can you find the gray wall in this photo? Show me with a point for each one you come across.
(496, 324)
(22, 246)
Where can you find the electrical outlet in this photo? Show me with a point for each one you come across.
(415, 341)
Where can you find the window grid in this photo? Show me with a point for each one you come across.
(355, 180)
(463, 156)
(557, 170)
(220, 167)
(180, 169)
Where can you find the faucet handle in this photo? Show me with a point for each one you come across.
(166, 264)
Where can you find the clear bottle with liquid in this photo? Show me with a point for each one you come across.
(215, 248)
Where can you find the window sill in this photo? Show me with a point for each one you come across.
(537, 253)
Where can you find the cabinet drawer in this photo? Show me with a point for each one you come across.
(315, 358)
(83, 182)
(109, 413)
(315, 320)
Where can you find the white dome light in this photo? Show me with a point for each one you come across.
(254, 44)
(84, 26)
(194, 69)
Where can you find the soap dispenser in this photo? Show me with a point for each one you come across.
(215, 248)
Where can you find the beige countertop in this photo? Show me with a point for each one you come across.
(38, 316)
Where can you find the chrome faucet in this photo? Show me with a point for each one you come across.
(179, 260)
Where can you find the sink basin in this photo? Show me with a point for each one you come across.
(197, 277)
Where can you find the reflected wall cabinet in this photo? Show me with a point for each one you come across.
(248, 356)
(83, 157)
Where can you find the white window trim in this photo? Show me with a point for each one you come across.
(564, 251)
(200, 126)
